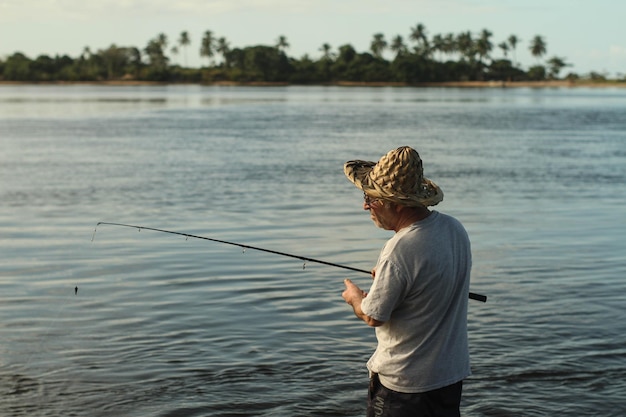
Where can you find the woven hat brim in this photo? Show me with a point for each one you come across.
(358, 171)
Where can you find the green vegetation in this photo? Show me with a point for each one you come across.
(441, 58)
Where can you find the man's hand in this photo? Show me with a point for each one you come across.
(353, 295)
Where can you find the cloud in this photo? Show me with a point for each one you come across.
(617, 51)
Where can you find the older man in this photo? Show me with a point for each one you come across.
(418, 299)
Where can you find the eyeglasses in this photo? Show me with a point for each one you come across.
(368, 200)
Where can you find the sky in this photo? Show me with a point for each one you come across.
(588, 35)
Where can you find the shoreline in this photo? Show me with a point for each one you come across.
(447, 84)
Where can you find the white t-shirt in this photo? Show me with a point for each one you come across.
(421, 294)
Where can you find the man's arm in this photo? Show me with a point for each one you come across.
(354, 296)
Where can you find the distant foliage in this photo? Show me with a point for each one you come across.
(442, 58)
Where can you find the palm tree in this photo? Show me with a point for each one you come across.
(465, 45)
(513, 40)
(537, 47)
(418, 35)
(450, 45)
(505, 48)
(439, 44)
(484, 45)
(398, 46)
(347, 53)
(556, 65)
(281, 43)
(155, 53)
(326, 48)
(378, 45)
(162, 40)
(206, 47)
(174, 50)
(326, 61)
(184, 42)
(223, 48)
(86, 53)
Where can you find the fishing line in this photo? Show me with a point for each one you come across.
(473, 296)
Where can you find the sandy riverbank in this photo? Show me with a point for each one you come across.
(497, 84)
(451, 84)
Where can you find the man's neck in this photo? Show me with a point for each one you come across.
(409, 215)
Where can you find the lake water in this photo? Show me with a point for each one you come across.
(166, 326)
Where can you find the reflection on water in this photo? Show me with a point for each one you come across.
(167, 326)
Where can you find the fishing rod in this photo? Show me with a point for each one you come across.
(472, 295)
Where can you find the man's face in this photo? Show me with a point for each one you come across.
(382, 214)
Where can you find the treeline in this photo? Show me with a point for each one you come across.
(440, 58)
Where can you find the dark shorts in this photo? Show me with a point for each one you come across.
(442, 402)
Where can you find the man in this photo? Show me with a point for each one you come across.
(418, 299)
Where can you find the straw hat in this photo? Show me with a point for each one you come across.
(397, 177)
